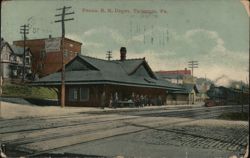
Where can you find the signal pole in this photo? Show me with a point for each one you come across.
(242, 98)
(109, 55)
(1, 74)
(1, 65)
(192, 65)
(62, 20)
(24, 30)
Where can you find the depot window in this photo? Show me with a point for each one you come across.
(73, 94)
(84, 94)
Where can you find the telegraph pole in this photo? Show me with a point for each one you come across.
(177, 76)
(242, 98)
(192, 65)
(1, 74)
(62, 20)
(24, 30)
(1, 71)
(109, 55)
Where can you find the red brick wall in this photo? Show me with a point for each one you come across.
(183, 72)
(53, 60)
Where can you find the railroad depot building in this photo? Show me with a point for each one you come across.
(97, 82)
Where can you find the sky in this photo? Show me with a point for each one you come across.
(168, 33)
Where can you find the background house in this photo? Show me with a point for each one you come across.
(47, 55)
(17, 63)
(12, 63)
(190, 93)
(176, 76)
(186, 95)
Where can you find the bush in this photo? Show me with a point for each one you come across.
(25, 91)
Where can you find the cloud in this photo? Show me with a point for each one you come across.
(203, 45)
(217, 61)
(101, 31)
(93, 44)
(211, 35)
(75, 37)
(190, 33)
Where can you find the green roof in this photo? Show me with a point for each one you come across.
(131, 72)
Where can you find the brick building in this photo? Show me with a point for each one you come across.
(46, 61)
(176, 76)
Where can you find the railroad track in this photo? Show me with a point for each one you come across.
(53, 122)
(133, 122)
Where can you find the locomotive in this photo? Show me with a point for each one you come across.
(219, 96)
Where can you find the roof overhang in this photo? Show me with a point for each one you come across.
(101, 82)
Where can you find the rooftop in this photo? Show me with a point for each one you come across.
(17, 49)
(89, 70)
(51, 37)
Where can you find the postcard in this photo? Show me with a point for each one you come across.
(124, 78)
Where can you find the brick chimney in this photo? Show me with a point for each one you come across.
(185, 71)
(123, 52)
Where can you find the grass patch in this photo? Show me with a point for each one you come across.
(24, 91)
(234, 116)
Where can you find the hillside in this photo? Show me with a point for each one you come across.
(24, 91)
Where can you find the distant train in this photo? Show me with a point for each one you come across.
(226, 96)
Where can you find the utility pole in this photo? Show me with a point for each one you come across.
(62, 20)
(24, 30)
(109, 55)
(1, 71)
(192, 65)
(1, 66)
(242, 98)
(177, 77)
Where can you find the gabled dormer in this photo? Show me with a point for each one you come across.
(6, 52)
(79, 64)
(143, 70)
